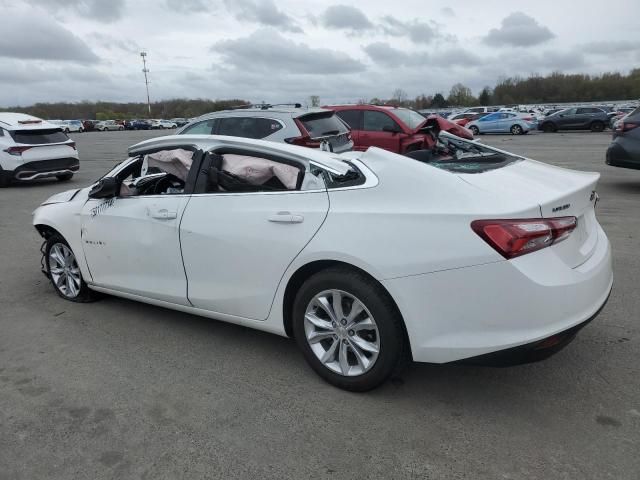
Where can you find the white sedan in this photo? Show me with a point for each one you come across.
(368, 259)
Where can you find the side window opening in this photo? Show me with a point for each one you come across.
(159, 173)
(248, 127)
(375, 121)
(232, 171)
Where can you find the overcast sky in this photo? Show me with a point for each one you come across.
(286, 50)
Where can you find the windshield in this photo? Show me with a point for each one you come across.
(410, 118)
(323, 124)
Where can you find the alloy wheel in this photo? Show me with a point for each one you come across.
(342, 333)
(64, 270)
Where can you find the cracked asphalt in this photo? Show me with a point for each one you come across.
(117, 389)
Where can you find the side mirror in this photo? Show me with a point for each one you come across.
(390, 129)
(105, 188)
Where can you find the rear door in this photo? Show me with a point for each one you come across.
(373, 132)
(236, 246)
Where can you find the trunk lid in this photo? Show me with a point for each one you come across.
(558, 192)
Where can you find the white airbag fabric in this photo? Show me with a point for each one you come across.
(176, 162)
(257, 171)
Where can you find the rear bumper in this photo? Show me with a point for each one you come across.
(531, 352)
(470, 312)
(46, 168)
(617, 156)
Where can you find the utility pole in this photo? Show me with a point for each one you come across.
(146, 79)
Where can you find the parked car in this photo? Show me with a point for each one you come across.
(481, 110)
(141, 125)
(180, 122)
(105, 125)
(617, 114)
(366, 268)
(162, 124)
(624, 150)
(576, 118)
(463, 119)
(503, 122)
(296, 125)
(69, 126)
(399, 130)
(31, 148)
(89, 125)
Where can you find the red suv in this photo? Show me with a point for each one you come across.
(399, 130)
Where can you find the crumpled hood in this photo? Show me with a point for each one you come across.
(62, 197)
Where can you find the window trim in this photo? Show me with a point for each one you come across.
(222, 117)
(394, 120)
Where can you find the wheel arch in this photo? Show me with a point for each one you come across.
(307, 271)
(47, 231)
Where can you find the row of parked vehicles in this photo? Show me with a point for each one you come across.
(32, 148)
(72, 126)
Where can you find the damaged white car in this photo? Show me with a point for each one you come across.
(367, 259)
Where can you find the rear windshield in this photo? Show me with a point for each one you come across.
(39, 137)
(461, 156)
(410, 118)
(323, 124)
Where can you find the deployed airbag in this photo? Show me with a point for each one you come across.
(176, 162)
(258, 171)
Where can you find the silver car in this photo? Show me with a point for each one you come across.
(296, 125)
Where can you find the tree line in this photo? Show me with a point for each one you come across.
(535, 89)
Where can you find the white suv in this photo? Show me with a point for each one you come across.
(32, 148)
(290, 123)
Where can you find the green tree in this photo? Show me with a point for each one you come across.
(485, 96)
(438, 101)
(461, 96)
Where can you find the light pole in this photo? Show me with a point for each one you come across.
(146, 79)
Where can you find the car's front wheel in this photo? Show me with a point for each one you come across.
(475, 130)
(64, 271)
(349, 329)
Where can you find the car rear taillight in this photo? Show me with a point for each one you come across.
(626, 126)
(303, 141)
(72, 145)
(513, 238)
(528, 119)
(16, 151)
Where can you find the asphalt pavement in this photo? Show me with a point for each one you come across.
(118, 389)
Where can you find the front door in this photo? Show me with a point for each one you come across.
(132, 244)
(374, 134)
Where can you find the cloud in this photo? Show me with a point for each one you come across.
(110, 42)
(268, 51)
(417, 31)
(345, 17)
(385, 55)
(105, 11)
(608, 47)
(38, 38)
(519, 30)
(263, 12)
(188, 6)
(448, 12)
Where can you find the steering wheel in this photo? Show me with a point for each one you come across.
(168, 181)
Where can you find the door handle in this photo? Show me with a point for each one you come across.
(286, 217)
(163, 214)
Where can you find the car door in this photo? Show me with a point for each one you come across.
(506, 122)
(376, 131)
(353, 118)
(567, 119)
(132, 244)
(490, 123)
(236, 246)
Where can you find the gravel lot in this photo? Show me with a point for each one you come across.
(118, 389)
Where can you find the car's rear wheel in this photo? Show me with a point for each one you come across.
(67, 131)
(549, 128)
(349, 329)
(64, 177)
(516, 130)
(597, 127)
(474, 130)
(64, 272)
(120, 128)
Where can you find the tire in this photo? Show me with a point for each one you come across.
(121, 128)
(104, 129)
(68, 284)
(475, 130)
(349, 350)
(516, 130)
(549, 128)
(597, 126)
(64, 177)
(5, 178)
(67, 131)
